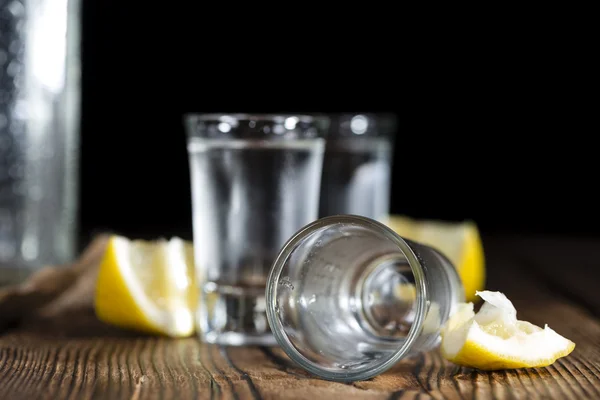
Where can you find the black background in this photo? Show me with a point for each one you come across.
(501, 134)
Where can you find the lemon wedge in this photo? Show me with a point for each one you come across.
(147, 286)
(459, 241)
(495, 339)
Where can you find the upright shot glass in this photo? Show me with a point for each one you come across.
(357, 165)
(348, 298)
(255, 181)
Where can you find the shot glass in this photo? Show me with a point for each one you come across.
(347, 298)
(255, 181)
(357, 166)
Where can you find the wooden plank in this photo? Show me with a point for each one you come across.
(68, 354)
(538, 302)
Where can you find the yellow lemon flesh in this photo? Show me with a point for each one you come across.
(495, 339)
(459, 241)
(147, 286)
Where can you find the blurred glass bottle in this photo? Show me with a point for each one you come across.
(357, 165)
(39, 124)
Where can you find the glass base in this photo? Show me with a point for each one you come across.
(234, 316)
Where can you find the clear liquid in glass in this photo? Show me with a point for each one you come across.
(248, 198)
(356, 178)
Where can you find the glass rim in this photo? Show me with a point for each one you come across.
(278, 329)
(370, 126)
(210, 117)
(366, 113)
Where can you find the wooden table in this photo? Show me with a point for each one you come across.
(70, 355)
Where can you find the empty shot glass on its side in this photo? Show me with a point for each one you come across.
(348, 298)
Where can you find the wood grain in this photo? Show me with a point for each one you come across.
(71, 355)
